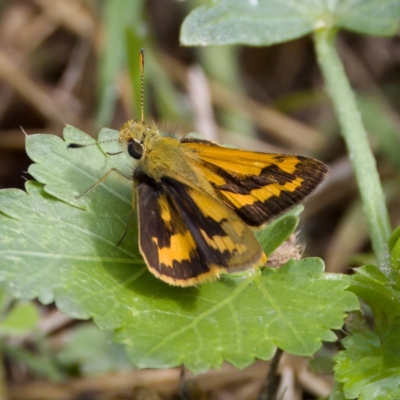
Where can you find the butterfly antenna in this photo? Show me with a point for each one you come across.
(79, 146)
(142, 85)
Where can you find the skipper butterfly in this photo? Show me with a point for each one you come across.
(197, 202)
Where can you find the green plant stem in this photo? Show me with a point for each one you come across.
(357, 143)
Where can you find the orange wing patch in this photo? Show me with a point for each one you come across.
(257, 186)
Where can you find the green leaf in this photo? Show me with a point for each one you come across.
(242, 318)
(368, 17)
(369, 368)
(337, 392)
(266, 22)
(380, 292)
(20, 320)
(63, 249)
(274, 234)
(56, 164)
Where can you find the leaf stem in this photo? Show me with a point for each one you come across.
(357, 144)
(271, 384)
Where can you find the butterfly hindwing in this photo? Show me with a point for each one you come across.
(187, 236)
(257, 186)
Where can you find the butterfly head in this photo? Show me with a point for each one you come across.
(138, 137)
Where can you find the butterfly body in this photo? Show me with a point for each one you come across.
(196, 201)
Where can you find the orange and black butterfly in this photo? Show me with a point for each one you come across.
(197, 202)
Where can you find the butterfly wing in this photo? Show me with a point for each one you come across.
(187, 236)
(257, 186)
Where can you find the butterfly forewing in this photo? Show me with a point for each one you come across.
(257, 186)
(187, 236)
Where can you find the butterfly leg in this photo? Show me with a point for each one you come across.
(104, 177)
(128, 224)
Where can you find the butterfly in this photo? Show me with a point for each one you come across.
(197, 202)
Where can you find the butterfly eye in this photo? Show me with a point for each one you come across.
(135, 149)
